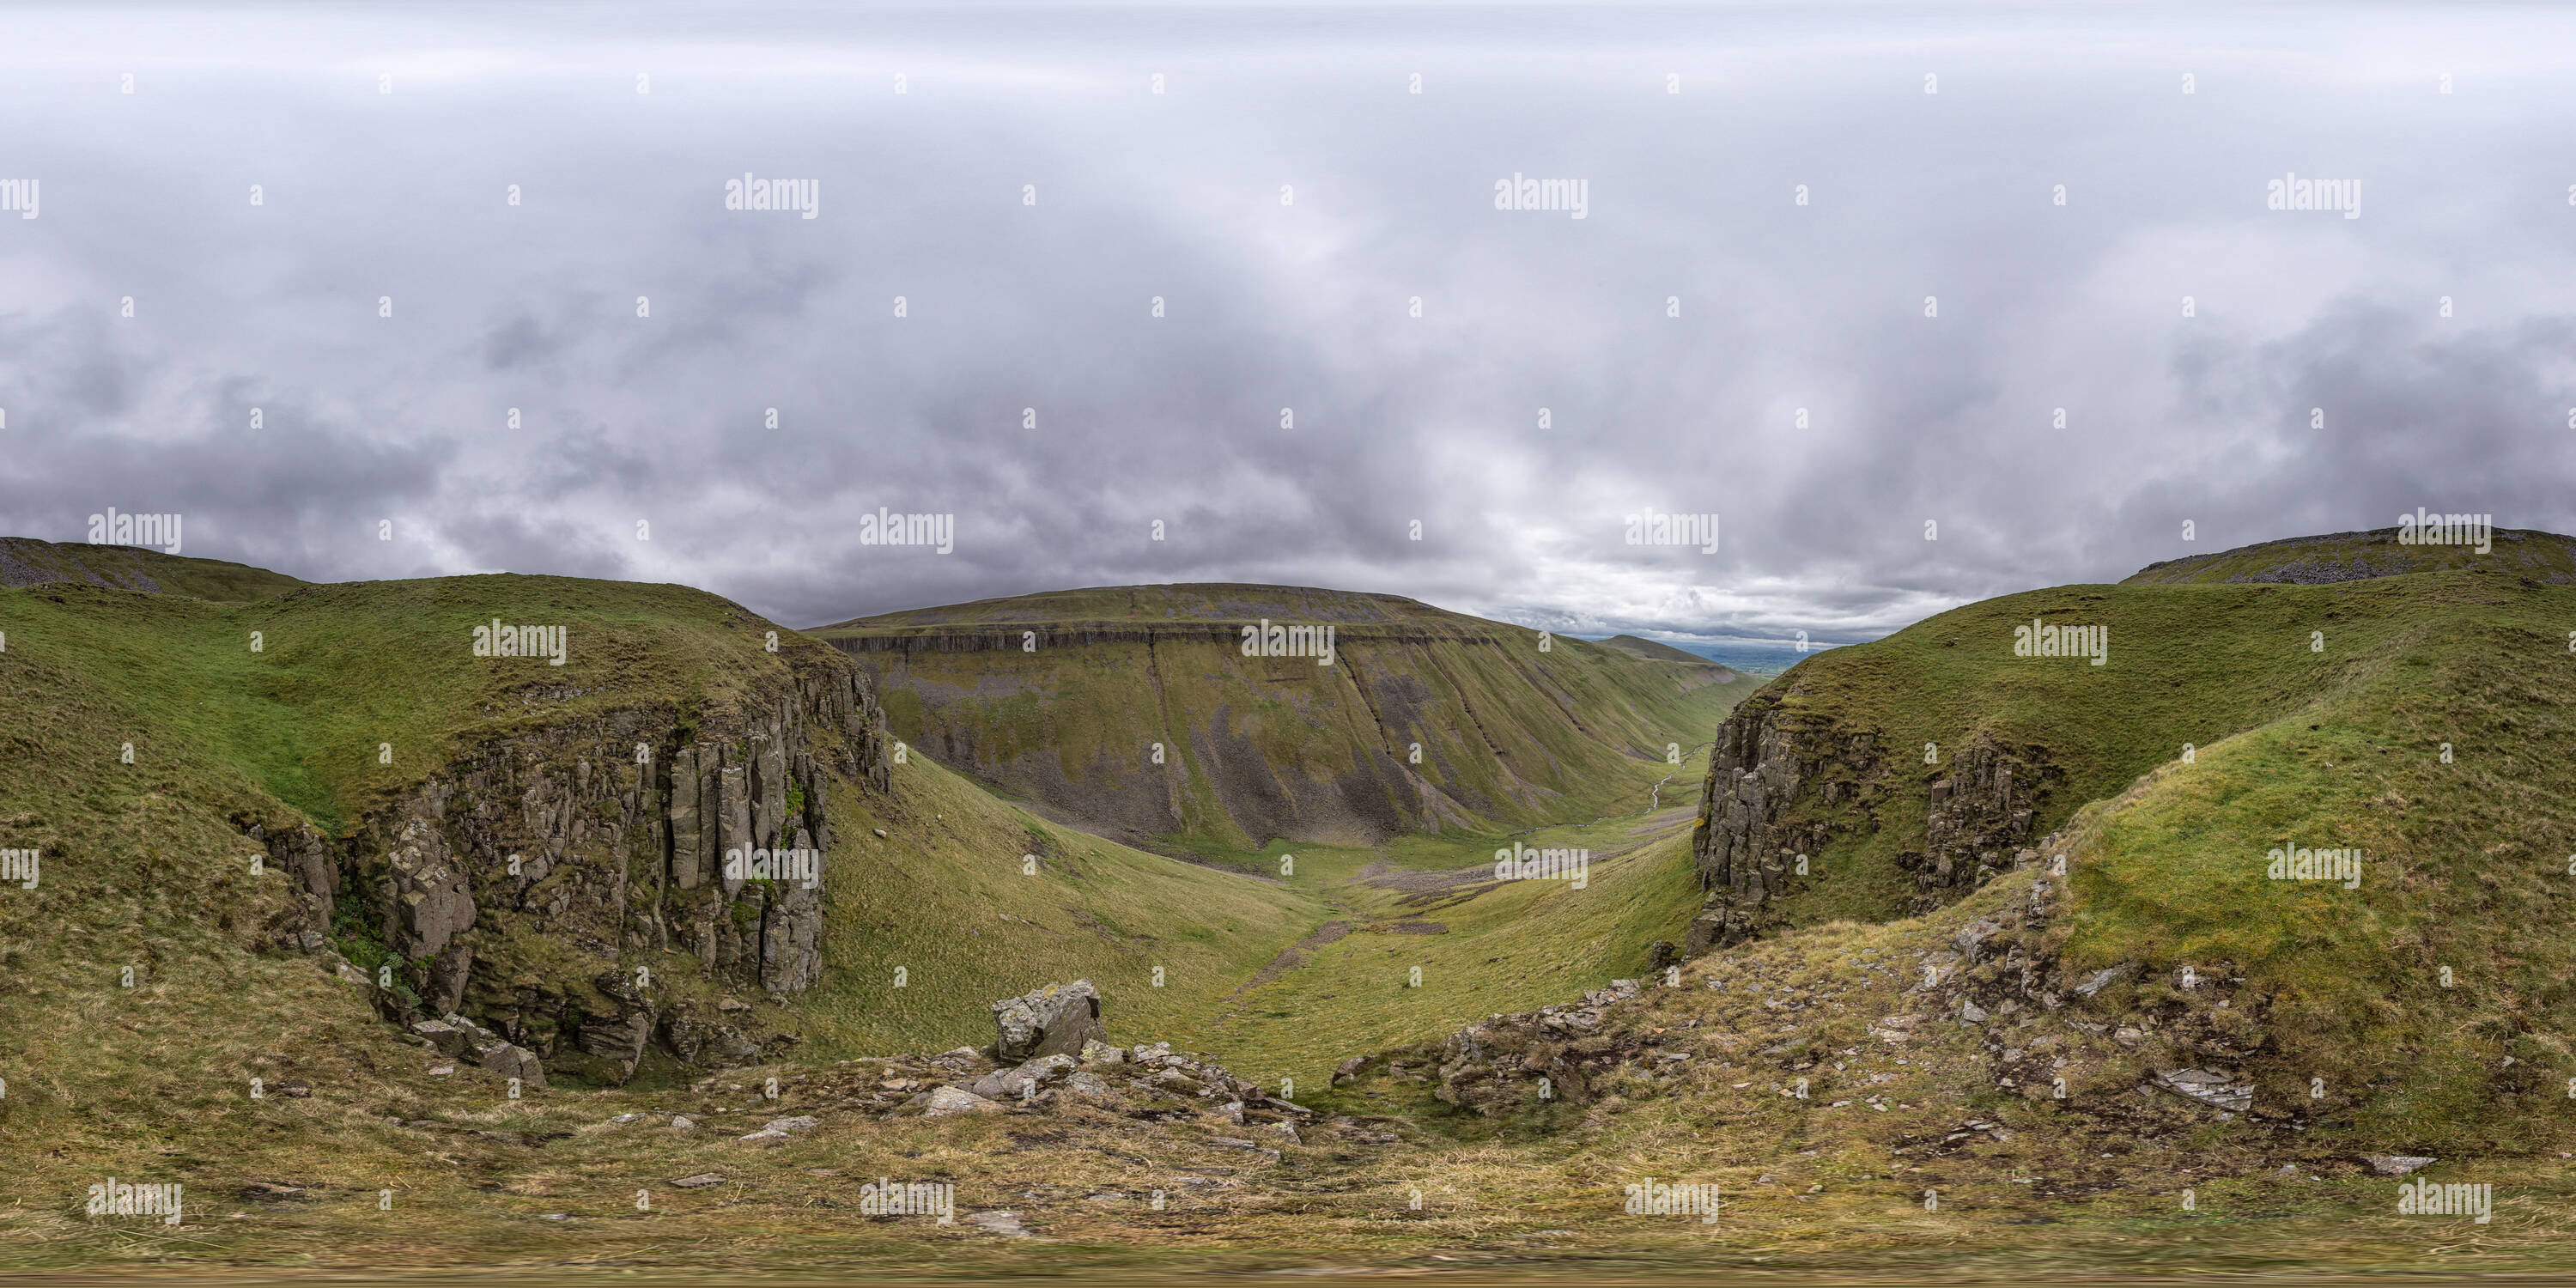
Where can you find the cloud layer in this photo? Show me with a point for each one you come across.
(1829, 378)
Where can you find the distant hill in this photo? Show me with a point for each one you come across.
(1175, 605)
(1136, 711)
(2359, 556)
(1655, 652)
(25, 561)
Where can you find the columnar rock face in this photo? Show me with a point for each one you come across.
(1977, 816)
(556, 882)
(1745, 850)
(1784, 782)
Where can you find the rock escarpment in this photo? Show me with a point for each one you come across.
(595, 887)
(1784, 782)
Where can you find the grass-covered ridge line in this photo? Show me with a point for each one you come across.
(1425, 720)
(2354, 556)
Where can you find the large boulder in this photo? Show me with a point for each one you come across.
(1055, 1020)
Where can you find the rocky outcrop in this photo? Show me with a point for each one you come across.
(592, 887)
(1977, 816)
(1059, 1019)
(1783, 783)
(1550, 1054)
(1765, 764)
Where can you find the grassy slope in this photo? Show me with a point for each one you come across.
(1182, 602)
(1518, 735)
(2544, 556)
(26, 561)
(946, 899)
(1496, 947)
(1655, 651)
(145, 866)
(2188, 665)
(2467, 861)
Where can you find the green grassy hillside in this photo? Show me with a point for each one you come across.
(1655, 652)
(1930, 1043)
(1424, 720)
(2355, 556)
(25, 561)
(2422, 719)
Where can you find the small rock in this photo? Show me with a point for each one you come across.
(2395, 1164)
(1097, 1052)
(1972, 1013)
(2207, 1088)
(1005, 1224)
(683, 1122)
(2103, 979)
(881, 833)
(732, 1004)
(441, 1071)
(699, 1181)
(1349, 1070)
(780, 1129)
(1231, 1111)
(945, 1101)
(1056, 1019)
(1015, 1084)
(1288, 1130)
(450, 1039)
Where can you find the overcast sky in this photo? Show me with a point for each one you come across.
(925, 131)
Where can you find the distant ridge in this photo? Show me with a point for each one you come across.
(1144, 714)
(1653, 651)
(26, 561)
(1181, 604)
(2360, 556)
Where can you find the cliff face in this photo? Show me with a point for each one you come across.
(594, 887)
(1783, 782)
(1154, 729)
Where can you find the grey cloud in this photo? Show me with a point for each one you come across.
(1305, 306)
